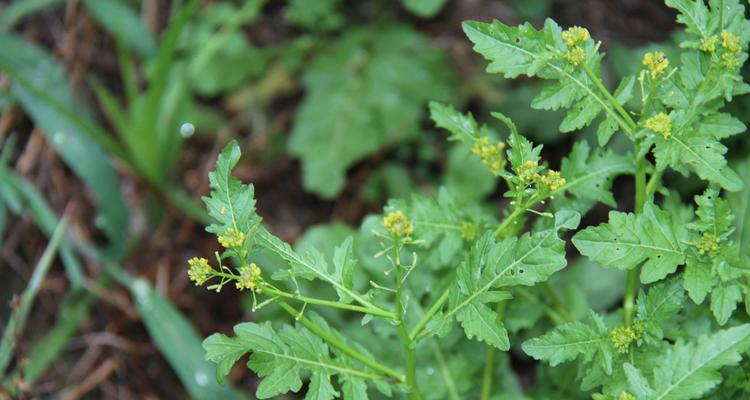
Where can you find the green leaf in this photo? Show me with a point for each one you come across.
(637, 382)
(124, 23)
(724, 299)
(493, 265)
(699, 279)
(362, 94)
(462, 127)
(231, 203)
(179, 343)
(740, 203)
(659, 307)
(714, 215)
(691, 370)
(513, 51)
(569, 341)
(588, 177)
(280, 357)
(424, 8)
(627, 240)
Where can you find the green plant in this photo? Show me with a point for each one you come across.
(430, 262)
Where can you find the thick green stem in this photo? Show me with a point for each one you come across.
(335, 342)
(631, 287)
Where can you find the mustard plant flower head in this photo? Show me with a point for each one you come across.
(621, 338)
(626, 396)
(491, 154)
(552, 180)
(527, 172)
(731, 42)
(708, 244)
(200, 271)
(660, 123)
(232, 238)
(708, 44)
(249, 277)
(656, 62)
(469, 230)
(397, 224)
(575, 35)
(575, 56)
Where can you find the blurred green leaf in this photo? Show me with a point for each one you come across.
(41, 86)
(124, 23)
(424, 8)
(20, 9)
(321, 15)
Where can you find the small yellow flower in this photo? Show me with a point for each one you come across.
(656, 62)
(574, 35)
(468, 230)
(491, 154)
(397, 224)
(575, 56)
(708, 43)
(730, 61)
(200, 271)
(527, 172)
(626, 396)
(660, 123)
(621, 338)
(731, 42)
(249, 277)
(708, 244)
(552, 180)
(232, 238)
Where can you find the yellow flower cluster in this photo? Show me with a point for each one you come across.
(660, 123)
(708, 43)
(200, 271)
(575, 56)
(468, 230)
(708, 244)
(249, 277)
(397, 224)
(621, 338)
(232, 238)
(731, 44)
(491, 154)
(552, 180)
(656, 62)
(573, 37)
(626, 396)
(527, 172)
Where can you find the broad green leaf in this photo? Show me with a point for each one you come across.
(524, 50)
(363, 94)
(628, 240)
(280, 358)
(659, 307)
(494, 265)
(691, 370)
(588, 177)
(724, 299)
(424, 8)
(699, 279)
(714, 215)
(637, 382)
(569, 341)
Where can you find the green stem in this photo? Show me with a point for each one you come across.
(449, 382)
(489, 362)
(328, 303)
(410, 351)
(629, 125)
(631, 287)
(335, 342)
(556, 302)
(436, 306)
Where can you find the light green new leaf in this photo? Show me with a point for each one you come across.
(569, 341)
(691, 370)
(363, 94)
(627, 240)
(493, 265)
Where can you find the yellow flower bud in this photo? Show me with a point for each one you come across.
(731, 42)
(574, 35)
(232, 238)
(552, 180)
(249, 277)
(575, 56)
(656, 62)
(708, 244)
(660, 123)
(200, 271)
(491, 154)
(621, 338)
(397, 224)
(527, 172)
(708, 44)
